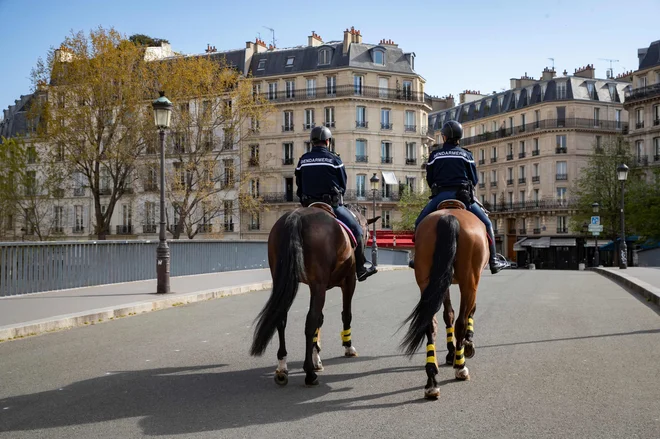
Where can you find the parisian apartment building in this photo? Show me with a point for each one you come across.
(529, 144)
(369, 95)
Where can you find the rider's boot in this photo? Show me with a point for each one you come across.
(361, 271)
(495, 265)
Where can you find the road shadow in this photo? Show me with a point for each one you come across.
(186, 400)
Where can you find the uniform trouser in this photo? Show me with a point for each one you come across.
(345, 216)
(432, 206)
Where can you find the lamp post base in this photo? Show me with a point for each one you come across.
(163, 269)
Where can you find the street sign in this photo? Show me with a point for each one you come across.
(595, 220)
(595, 233)
(595, 228)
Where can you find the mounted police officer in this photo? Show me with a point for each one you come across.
(451, 174)
(321, 176)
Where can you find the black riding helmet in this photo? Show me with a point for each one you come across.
(320, 134)
(452, 130)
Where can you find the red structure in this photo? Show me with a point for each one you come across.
(390, 239)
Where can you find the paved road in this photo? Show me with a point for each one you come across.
(559, 355)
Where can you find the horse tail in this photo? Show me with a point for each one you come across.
(289, 270)
(442, 274)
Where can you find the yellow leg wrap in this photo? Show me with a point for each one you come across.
(470, 325)
(346, 335)
(430, 353)
(450, 335)
(316, 336)
(459, 358)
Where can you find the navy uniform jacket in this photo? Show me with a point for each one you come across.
(318, 173)
(451, 165)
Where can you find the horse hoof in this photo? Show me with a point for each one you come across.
(318, 368)
(281, 378)
(449, 359)
(432, 393)
(351, 352)
(469, 349)
(311, 383)
(463, 374)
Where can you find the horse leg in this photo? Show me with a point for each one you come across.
(468, 299)
(469, 333)
(282, 372)
(312, 323)
(448, 316)
(316, 351)
(347, 290)
(431, 390)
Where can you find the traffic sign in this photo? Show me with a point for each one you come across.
(595, 228)
(595, 233)
(595, 220)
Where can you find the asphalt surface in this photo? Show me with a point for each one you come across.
(559, 355)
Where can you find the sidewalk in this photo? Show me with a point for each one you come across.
(38, 313)
(642, 280)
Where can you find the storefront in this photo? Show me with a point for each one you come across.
(552, 253)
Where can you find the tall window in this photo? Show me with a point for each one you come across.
(361, 117)
(290, 89)
(309, 118)
(535, 171)
(510, 200)
(523, 120)
(561, 90)
(411, 183)
(639, 149)
(58, 219)
(656, 115)
(562, 224)
(358, 84)
(561, 143)
(229, 172)
(361, 150)
(407, 90)
(562, 171)
(228, 214)
(324, 57)
(411, 152)
(596, 116)
(379, 57)
(493, 154)
(361, 185)
(536, 150)
(382, 88)
(656, 149)
(509, 151)
(482, 177)
(288, 153)
(386, 217)
(150, 215)
(522, 149)
(639, 117)
(410, 121)
(308, 146)
(330, 117)
(255, 221)
(537, 118)
(311, 88)
(254, 187)
(482, 156)
(521, 174)
(79, 225)
(493, 177)
(386, 152)
(288, 121)
(521, 199)
(617, 119)
(536, 196)
(272, 91)
(385, 119)
(493, 199)
(561, 195)
(331, 85)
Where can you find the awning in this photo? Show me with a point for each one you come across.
(563, 242)
(542, 242)
(390, 178)
(518, 246)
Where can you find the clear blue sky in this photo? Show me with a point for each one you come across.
(469, 44)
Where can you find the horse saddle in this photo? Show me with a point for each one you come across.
(328, 208)
(451, 204)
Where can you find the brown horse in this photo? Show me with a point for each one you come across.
(307, 245)
(451, 247)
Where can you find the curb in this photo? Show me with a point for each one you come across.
(648, 291)
(92, 317)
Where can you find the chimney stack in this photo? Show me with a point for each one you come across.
(351, 36)
(547, 74)
(314, 40)
(587, 71)
(260, 46)
(385, 42)
(210, 49)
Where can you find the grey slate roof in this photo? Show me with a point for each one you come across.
(306, 59)
(15, 118)
(652, 57)
(233, 58)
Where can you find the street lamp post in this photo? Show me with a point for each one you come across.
(162, 117)
(595, 207)
(374, 180)
(622, 175)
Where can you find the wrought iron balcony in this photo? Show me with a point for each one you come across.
(537, 231)
(278, 197)
(522, 231)
(561, 150)
(149, 228)
(536, 179)
(329, 124)
(522, 155)
(642, 93)
(410, 128)
(493, 159)
(361, 124)
(482, 161)
(229, 227)
(509, 182)
(287, 128)
(125, 229)
(535, 152)
(105, 191)
(362, 158)
(509, 156)
(482, 185)
(493, 184)
(642, 160)
(411, 161)
(253, 162)
(386, 125)
(522, 180)
(287, 161)
(512, 231)
(549, 204)
(639, 125)
(561, 177)
(308, 126)
(656, 122)
(386, 159)
(562, 229)
(78, 191)
(347, 90)
(78, 229)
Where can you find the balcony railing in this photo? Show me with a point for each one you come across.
(547, 124)
(522, 155)
(125, 229)
(410, 128)
(561, 177)
(287, 161)
(278, 197)
(639, 125)
(535, 152)
(509, 156)
(643, 92)
(493, 159)
(540, 205)
(386, 125)
(78, 191)
(537, 231)
(386, 159)
(411, 161)
(329, 124)
(253, 162)
(536, 179)
(57, 230)
(522, 180)
(361, 124)
(482, 161)
(482, 185)
(105, 191)
(493, 184)
(561, 150)
(512, 231)
(522, 231)
(78, 229)
(642, 160)
(149, 228)
(253, 226)
(287, 128)
(229, 227)
(348, 90)
(656, 158)
(308, 126)
(562, 229)
(204, 228)
(362, 158)
(656, 122)
(509, 182)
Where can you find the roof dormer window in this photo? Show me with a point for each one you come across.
(324, 57)
(262, 64)
(289, 61)
(379, 57)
